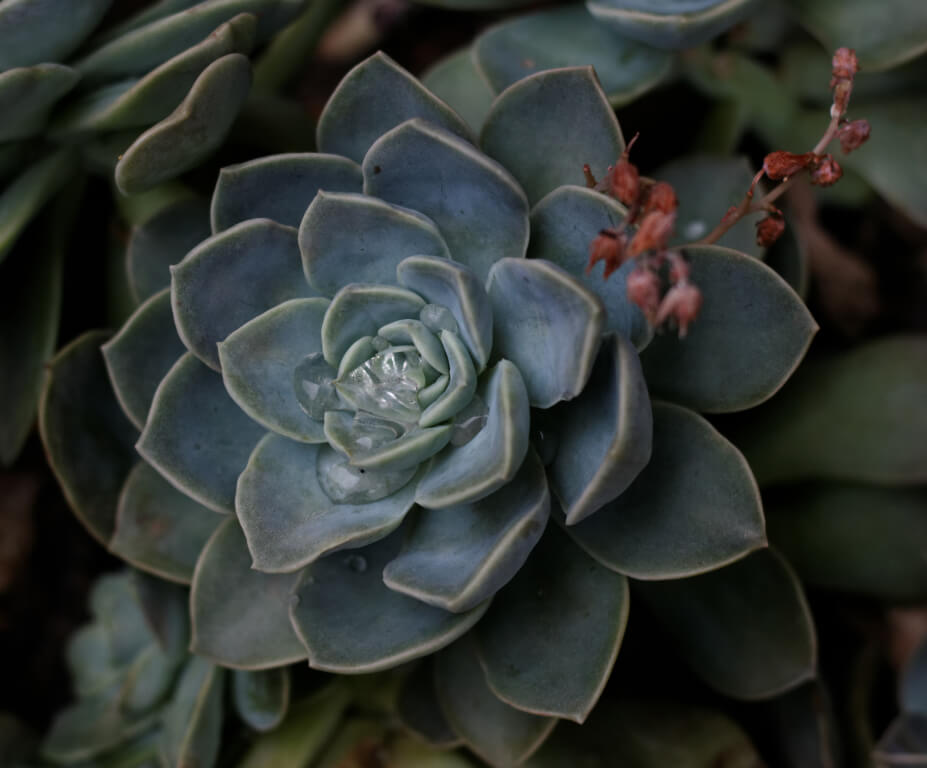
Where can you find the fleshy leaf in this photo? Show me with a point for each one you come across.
(192, 131)
(27, 95)
(804, 731)
(563, 226)
(744, 629)
(161, 241)
(546, 323)
(240, 616)
(750, 335)
(478, 207)
(307, 729)
(855, 538)
(883, 35)
(261, 696)
(671, 23)
(729, 178)
(500, 734)
(904, 743)
(231, 278)
(419, 711)
(373, 98)
(569, 37)
(192, 732)
(551, 636)
(87, 438)
(694, 507)
(572, 124)
(141, 354)
(913, 692)
(279, 187)
(259, 361)
(347, 238)
(34, 31)
(196, 436)
(135, 104)
(832, 421)
(604, 436)
(350, 622)
(457, 557)
(290, 521)
(467, 473)
(455, 79)
(361, 309)
(158, 528)
(457, 289)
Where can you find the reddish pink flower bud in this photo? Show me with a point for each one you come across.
(661, 197)
(826, 172)
(853, 135)
(644, 291)
(624, 181)
(769, 230)
(781, 165)
(607, 247)
(682, 303)
(845, 65)
(653, 233)
(679, 267)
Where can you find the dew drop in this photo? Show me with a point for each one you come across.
(356, 563)
(387, 385)
(469, 421)
(313, 380)
(694, 229)
(346, 484)
(437, 318)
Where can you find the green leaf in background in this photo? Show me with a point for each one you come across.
(36, 31)
(27, 94)
(456, 80)
(261, 697)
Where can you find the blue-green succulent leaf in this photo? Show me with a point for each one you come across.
(604, 436)
(192, 131)
(138, 357)
(729, 178)
(415, 332)
(861, 539)
(459, 290)
(166, 609)
(161, 241)
(30, 191)
(139, 103)
(457, 557)
(351, 622)
(147, 14)
(461, 385)
(159, 529)
(745, 629)
(261, 697)
(89, 660)
(804, 727)
(419, 711)
(904, 742)
(478, 207)
(467, 473)
(883, 35)
(192, 732)
(196, 436)
(259, 363)
(750, 335)
(695, 507)
(232, 278)
(563, 226)
(346, 238)
(551, 636)
(26, 96)
(548, 324)
(569, 36)
(671, 23)
(290, 521)
(497, 732)
(87, 438)
(240, 615)
(142, 49)
(374, 97)
(456, 80)
(36, 31)
(279, 187)
(147, 680)
(114, 604)
(913, 692)
(360, 309)
(832, 421)
(307, 729)
(572, 124)
(405, 452)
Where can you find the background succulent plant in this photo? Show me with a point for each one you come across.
(316, 386)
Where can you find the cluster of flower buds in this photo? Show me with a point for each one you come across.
(652, 209)
(853, 134)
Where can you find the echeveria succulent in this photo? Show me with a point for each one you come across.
(364, 396)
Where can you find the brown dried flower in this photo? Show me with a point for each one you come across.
(853, 135)
(826, 171)
(661, 197)
(644, 290)
(624, 181)
(845, 65)
(653, 233)
(607, 247)
(769, 230)
(781, 165)
(682, 303)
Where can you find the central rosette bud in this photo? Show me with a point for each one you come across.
(391, 399)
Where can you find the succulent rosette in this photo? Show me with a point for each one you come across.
(362, 399)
